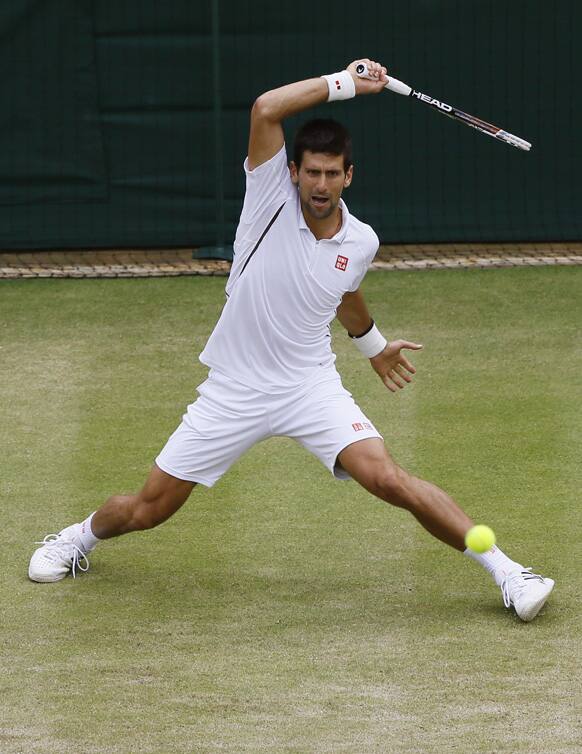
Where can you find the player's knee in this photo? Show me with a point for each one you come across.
(147, 515)
(390, 484)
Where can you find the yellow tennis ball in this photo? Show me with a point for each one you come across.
(480, 538)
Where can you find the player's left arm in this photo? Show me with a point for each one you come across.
(389, 363)
(273, 107)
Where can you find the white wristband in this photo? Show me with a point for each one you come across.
(340, 85)
(372, 343)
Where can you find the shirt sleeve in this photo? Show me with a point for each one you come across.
(369, 251)
(267, 186)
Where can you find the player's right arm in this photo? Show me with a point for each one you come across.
(271, 108)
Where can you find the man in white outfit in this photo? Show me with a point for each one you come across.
(300, 257)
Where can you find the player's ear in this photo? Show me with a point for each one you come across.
(349, 176)
(294, 172)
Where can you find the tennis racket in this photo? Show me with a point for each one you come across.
(394, 85)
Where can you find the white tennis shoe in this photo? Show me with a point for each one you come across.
(58, 555)
(526, 591)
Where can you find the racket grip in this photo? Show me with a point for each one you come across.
(393, 84)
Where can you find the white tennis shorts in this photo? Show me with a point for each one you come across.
(229, 418)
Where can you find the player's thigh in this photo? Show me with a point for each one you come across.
(222, 424)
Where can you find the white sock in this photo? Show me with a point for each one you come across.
(496, 562)
(85, 535)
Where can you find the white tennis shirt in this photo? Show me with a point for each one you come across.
(273, 333)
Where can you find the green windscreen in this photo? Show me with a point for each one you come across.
(51, 140)
(108, 127)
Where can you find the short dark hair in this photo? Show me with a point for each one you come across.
(323, 135)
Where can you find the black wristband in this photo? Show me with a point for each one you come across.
(366, 331)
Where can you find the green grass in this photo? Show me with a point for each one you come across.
(282, 611)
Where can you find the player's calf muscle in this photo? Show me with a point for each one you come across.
(147, 515)
(115, 517)
(123, 514)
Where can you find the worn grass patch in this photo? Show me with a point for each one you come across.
(282, 611)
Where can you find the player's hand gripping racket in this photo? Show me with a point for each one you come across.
(469, 120)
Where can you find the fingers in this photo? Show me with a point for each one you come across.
(398, 345)
(387, 381)
(399, 370)
(375, 79)
(407, 344)
(376, 70)
(407, 365)
(395, 379)
(394, 369)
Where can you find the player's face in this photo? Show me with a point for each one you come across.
(321, 180)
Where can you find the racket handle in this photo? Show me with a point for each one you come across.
(393, 84)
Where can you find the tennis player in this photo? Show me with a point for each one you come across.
(300, 257)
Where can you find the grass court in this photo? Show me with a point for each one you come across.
(283, 612)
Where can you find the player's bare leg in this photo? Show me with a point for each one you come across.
(161, 496)
(369, 463)
(66, 552)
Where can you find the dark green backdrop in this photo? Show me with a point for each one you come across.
(107, 124)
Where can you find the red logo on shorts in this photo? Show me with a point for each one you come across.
(341, 262)
(358, 427)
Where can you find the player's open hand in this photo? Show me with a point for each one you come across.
(372, 85)
(393, 367)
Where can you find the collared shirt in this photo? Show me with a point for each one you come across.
(273, 333)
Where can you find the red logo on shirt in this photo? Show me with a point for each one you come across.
(341, 262)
